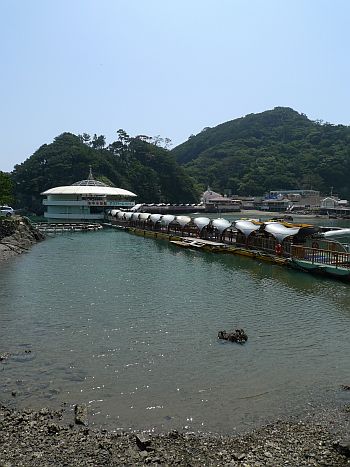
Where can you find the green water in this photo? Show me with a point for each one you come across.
(129, 326)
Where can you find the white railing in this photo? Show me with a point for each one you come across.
(79, 216)
(49, 202)
(84, 202)
(120, 203)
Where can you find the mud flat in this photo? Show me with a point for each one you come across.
(47, 438)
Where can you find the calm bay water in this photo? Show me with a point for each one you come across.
(129, 326)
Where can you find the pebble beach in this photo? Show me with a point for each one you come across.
(46, 438)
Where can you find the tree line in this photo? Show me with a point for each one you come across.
(141, 164)
(6, 189)
(272, 150)
(276, 149)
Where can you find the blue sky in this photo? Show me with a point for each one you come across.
(165, 67)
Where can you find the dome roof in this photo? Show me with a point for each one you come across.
(88, 187)
(88, 190)
(89, 182)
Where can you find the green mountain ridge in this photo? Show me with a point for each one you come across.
(275, 149)
(134, 164)
(251, 155)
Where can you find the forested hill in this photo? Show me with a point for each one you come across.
(272, 150)
(137, 164)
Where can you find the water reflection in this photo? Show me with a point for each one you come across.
(260, 271)
(129, 326)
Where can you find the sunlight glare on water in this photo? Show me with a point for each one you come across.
(129, 326)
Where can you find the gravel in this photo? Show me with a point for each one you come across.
(45, 438)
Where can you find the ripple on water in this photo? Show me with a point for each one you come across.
(129, 326)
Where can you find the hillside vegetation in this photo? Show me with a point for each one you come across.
(276, 149)
(6, 188)
(137, 164)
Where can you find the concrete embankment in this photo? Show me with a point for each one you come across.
(17, 235)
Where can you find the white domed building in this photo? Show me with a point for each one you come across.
(87, 200)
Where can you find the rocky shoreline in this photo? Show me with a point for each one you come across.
(17, 235)
(43, 438)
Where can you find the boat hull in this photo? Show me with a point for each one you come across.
(323, 269)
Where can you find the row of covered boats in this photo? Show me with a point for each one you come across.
(322, 250)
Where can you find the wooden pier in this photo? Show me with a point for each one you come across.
(56, 228)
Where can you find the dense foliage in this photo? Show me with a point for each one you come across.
(137, 164)
(6, 188)
(276, 149)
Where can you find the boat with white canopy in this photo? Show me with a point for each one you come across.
(302, 246)
(201, 222)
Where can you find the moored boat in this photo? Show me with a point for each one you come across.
(337, 272)
(305, 247)
(196, 243)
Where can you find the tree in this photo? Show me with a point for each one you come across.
(123, 137)
(6, 189)
(85, 138)
(131, 163)
(98, 142)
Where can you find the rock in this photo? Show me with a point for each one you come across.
(238, 456)
(53, 428)
(4, 356)
(343, 447)
(81, 414)
(143, 443)
(237, 335)
(16, 236)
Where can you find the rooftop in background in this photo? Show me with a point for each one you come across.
(302, 192)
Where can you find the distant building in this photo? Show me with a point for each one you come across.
(283, 200)
(215, 202)
(248, 202)
(330, 202)
(276, 205)
(87, 200)
(332, 205)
